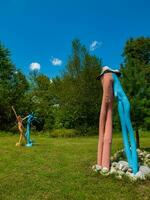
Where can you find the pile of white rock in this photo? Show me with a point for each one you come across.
(120, 167)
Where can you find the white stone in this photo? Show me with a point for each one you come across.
(148, 156)
(96, 168)
(125, 168)
(112, 170)
(140, 175)
(105, 170)
(138, 150)
(131, 176)
(119, 177)
(114, 164)
(129, 173)
(145, 170)
(122, 164)
(121, 172)
(129, 170)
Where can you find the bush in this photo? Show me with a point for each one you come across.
(4, 133)
(87, 131)
(64, 133)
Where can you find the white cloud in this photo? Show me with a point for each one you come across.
(56, 61)
(94, 45)
(35, 66)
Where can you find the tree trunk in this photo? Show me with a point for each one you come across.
(137, 138)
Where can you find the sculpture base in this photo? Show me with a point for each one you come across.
(120, 168)
(29, 145)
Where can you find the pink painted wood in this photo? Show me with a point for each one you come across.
(105, 122)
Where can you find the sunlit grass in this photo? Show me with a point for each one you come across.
(60, 168)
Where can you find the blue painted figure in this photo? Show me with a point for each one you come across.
(127, 130)
(30, 118)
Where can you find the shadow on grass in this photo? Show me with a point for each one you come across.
(39, 144)
(146, 149)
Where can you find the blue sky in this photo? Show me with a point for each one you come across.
(39, 32)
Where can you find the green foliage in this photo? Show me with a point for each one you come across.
(136, 80)
(41, 99)
(138, 50)
(72, 101)
(78, 92)
(13, 85)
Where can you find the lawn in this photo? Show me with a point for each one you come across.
(60, 169)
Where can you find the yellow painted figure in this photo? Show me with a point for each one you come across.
(20, 127)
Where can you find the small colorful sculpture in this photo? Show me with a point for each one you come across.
(112, 86)
(20, 126)
(30, 118)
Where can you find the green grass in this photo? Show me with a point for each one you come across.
(60, 169)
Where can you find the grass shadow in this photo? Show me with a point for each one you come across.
(146, 149)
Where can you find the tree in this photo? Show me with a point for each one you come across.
(136, 72)
(13, 85)
(79, 92)
(42, 99)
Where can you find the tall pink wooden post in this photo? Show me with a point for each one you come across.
(105, 122)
